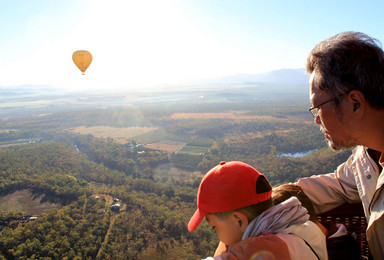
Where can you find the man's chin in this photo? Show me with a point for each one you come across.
(334, 146)
(339, 146)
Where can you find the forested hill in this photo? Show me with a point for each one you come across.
(153, 222)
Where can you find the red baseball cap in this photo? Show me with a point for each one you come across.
(229, 186)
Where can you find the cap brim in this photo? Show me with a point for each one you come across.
(196, 219)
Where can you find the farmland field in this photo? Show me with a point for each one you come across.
(158, 135)
(121, 135)
(194, 149)
(26, 201)
(166, 145)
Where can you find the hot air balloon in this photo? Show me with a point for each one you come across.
(82, 59)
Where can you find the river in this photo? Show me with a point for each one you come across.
(296, 155)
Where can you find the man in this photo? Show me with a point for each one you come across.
(347, 94)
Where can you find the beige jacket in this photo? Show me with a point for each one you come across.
(356, 180)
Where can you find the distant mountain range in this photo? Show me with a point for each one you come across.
(282, 76)
(273, 81)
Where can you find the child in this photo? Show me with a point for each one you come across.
(340, 243)
(236, 201)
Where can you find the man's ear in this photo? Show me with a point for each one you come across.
(358, 102)
(241, 220)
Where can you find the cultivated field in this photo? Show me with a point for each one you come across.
(119, 134)
(166, 145)
(194, 149)
(26, 201)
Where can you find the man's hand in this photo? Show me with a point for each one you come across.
(266, 247)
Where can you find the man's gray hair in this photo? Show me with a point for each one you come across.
(349, 61)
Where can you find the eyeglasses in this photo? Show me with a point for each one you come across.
(315, 110)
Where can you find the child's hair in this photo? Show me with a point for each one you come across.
(232, 186)
(285, 191)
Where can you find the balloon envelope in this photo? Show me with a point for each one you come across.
(82, 59)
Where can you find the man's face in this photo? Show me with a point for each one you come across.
(228, 230)
(333, 122)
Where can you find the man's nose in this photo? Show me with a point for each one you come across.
(317, 120)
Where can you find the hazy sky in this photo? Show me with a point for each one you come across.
(141, 42)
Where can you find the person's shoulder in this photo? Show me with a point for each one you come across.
(264, 246)
(305, 241)
(299, 248)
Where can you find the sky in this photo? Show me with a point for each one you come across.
(140, 44)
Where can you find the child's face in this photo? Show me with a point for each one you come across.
(228, 230)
